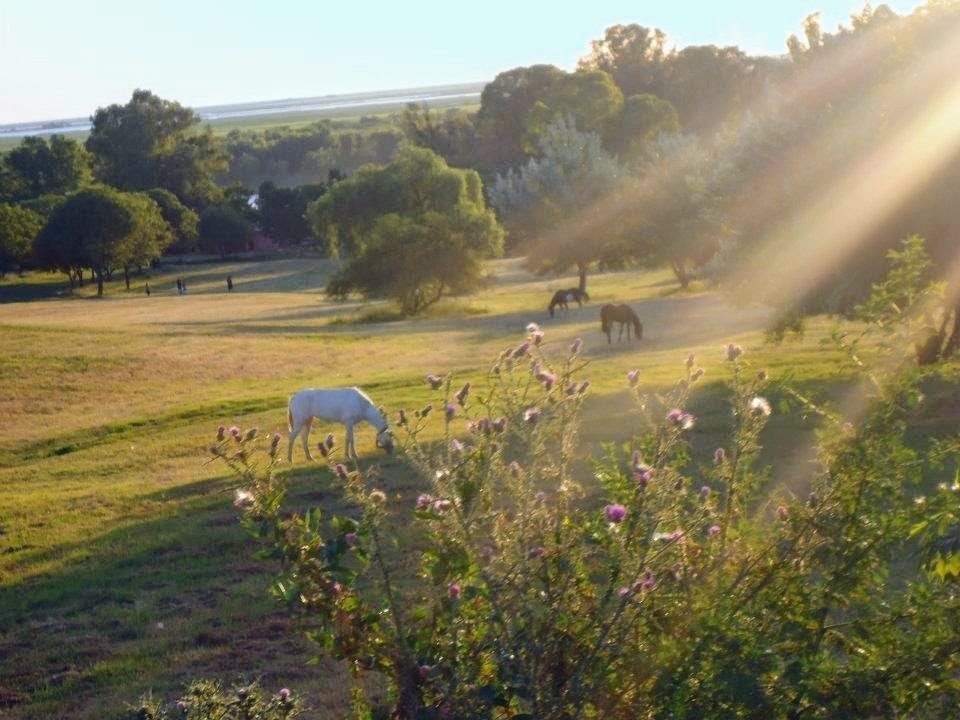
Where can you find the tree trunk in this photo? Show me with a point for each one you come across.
(126, 276)
(99, 283)
(953, 342)
(582, 270)
(679, 268)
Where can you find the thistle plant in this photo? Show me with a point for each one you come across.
(529, 580)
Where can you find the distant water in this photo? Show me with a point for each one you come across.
(226, 112)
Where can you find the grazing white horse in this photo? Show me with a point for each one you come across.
(347, 405)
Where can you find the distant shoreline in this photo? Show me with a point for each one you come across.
(264, 108)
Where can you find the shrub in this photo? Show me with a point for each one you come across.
(663, 589)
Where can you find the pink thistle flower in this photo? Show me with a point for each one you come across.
(455, 590)
(351, 539)
(329, 441)
(424, 501)
(713, 531)
(541, 496)
(461, 396)
(633, 377)
(322, 447)
(643, 475)
(623, 592)
(500, 424)
(220, 432)
(521, 350)
(531, 415)
(442, 505)
(637, 458)
(235, 433)
(813, 499)
(435, 381)
(719, 455)
(615, 512)
(336, 588)
(675, 415)
(341, 470)
(450, 410)
(733, 352)
(704, 492)
(575, 346)
(548, 380)
(456, 447)
(515, 469)
(782, 512)
(402, 419)
(284, 694)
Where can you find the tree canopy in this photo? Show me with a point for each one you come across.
(412, 230)
(19, 227)
(46, 166)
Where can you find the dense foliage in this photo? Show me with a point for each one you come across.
(664, 590)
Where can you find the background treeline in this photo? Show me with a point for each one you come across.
(703, 158)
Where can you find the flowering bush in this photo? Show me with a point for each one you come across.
(661, 589)
(207, 700)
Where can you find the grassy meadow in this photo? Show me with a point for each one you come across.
(123, 569)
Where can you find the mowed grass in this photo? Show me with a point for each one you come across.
(123, 569)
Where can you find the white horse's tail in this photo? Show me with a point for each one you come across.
(289, 419)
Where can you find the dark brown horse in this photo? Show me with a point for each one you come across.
(623, 314)
(562, 297)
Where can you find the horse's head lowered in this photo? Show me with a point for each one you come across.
(385, 441)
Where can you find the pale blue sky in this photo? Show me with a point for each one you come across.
(65, 59)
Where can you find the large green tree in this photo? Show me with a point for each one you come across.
(102, 229)
(224, 231)
(19, 227)
(47, 166)
(182, 220)
(151, 142)
(413, 230)
(283, 210)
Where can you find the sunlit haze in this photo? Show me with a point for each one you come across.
(66, 59)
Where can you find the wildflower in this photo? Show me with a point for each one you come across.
(733, 352)
(442, 505)
(623, 592)
(435, 381)
(275, 442)
(643, 475)
(537, 337)
(378, 497)
(521, 350)
(515, 469)
(402, 419)
(704, 492)
(284, 694)
(456, 447)
(531, 415)
(500, 424)
(583, 387)
(691, 359)
(426, 410)
(813, 499)
(351, 539)
(461, 396)
(782, 512)
(698, 373)
(243, 498)
(424, 501)
(760, 406)
(615, 513)
(633, 377)
(713, 531)
(455, 590)
(450, 410)
(719, 455)
(675, 415)
(251, 434)
(322, 447)
(532, 328)
(548, 380)
(329, 441)
(678, 485)
(235, 433)
(220, 432)
(575, 346)
(341, 470)
(681, 419)
(336, 588)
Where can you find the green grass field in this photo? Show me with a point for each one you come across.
(123, 569)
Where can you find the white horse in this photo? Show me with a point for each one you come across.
(348, 405)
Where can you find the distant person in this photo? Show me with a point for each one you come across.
(183, 288)
(146, 289)
(179, 286)
(229, 284)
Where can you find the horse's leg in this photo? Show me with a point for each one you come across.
(306, 438)
(294, 431)
(620, 334)
(350, 451)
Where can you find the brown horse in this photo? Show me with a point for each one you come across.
(562, 297)
(623, 314)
